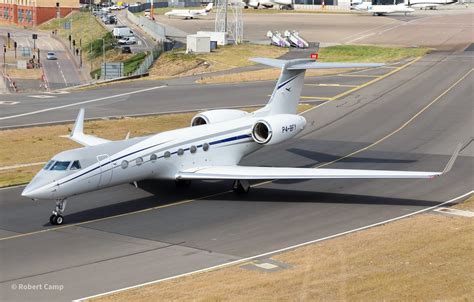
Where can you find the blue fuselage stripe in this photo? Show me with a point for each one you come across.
(225, 140)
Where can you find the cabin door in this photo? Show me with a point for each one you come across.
(105, 170)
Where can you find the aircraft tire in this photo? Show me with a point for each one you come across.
(59, 220)
(52, 219)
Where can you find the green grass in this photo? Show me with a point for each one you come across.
(131, 64)
(94, 48)
(85, 27)
(362, 53)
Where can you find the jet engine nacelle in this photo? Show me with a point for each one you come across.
(216, 116)
(277, 128)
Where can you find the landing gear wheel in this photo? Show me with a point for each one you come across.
(59, 220)
(241, 186)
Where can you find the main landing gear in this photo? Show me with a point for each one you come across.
(241, 186)
(57, 217)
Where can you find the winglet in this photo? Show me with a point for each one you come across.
(78, 125)
(77, 133)
(453, 158)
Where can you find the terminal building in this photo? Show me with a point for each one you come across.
(34, 12)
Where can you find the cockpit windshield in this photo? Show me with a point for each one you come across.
(60, 166)
(48, 165)
(75, 165)
(54, 165)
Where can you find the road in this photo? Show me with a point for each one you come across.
(122, 236)
(59, 73)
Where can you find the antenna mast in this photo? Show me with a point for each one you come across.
(229, 20)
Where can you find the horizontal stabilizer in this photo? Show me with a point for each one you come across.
(259, 173)
(300, 64)
(78, 135)
(329, 65)
(269, 62)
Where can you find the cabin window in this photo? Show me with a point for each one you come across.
(153, 157)
(48, 165)
(139, 161)
(75, 165)
(124, 164)
(180, 151)
(193, 149)
(205, 147)
(167, 154)
(60, 165)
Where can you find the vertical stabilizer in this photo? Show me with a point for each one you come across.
(287, 92)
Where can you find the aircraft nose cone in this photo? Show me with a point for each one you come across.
(37, 188)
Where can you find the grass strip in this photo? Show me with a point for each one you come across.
(178, 63)
(340, 53)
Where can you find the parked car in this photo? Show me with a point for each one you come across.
(51, 56)
(127, 41)
(126, 49)
(96, 12)
(111, 19)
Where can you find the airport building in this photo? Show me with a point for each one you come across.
(34, 12)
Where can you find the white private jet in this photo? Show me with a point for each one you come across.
(189, 13)
(381, 10)
(429, 4)
(284, 4)
(210, 149)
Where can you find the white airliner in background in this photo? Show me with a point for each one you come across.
(210, 149)
(284, 4)
(190, 13)
(381, 10)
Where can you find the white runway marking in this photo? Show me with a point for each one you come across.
(235, 262)
(21, 166)
(455, 212)
(80, 103)
(8, 103)
(41, 96)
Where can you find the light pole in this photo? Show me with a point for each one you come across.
(104, 65)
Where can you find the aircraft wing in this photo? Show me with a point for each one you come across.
(256, 173)
(78, 135)
(259, 173)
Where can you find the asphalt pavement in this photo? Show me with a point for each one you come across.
(122, 236)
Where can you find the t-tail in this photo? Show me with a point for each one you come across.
(287, 92)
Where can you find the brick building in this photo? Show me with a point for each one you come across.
(34, 12)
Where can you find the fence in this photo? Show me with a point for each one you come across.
(144, 6)
(149, 60)
(155, 30)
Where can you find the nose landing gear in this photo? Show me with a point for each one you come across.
(57, 217)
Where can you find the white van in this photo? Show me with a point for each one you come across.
(122, 32)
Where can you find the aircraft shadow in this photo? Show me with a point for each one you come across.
(218, 191)
(261, 194)
(326, 157)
